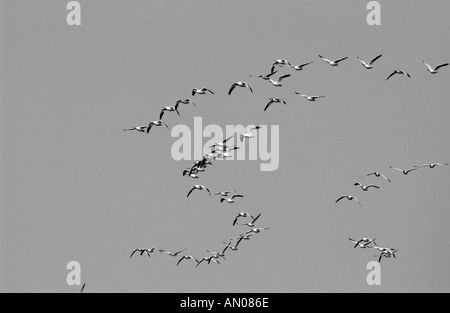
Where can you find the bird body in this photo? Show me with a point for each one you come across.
(301, 66)
(239, 84)
(435, 69)
(333, 63)
(369, 65)
(277, 82)
(201, 91)
(309, 98)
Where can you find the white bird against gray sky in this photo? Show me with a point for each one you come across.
(370, 64)
(142, 251)
(358, 243)
(333, 63)
(169, 109)
(300, 66)
(378, 174)
(201, 91)
(155, 123)
(239, 84)
(348, 197)
(405, 172)
(401, 72)
(281, 63)
(174, 254)
(436, 68)
(365, 188)
(274, 100)
(309, 98)
(184, 101)
(138, 128)
(249, 133)
(240, 215)
(277, 82)
(364, 242)
(231, 199)
(187, 257)
(264, 77)
(256, 230)
(252, 223)
(431, 165)
(198, 187)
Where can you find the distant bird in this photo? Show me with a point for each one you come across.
(169, 109)
(301, 66)
(256, 230)
(364, 242)
(242, 214)
(187, 257)
(309, 98)
(405, 172)
(386, 252)
(348, 198)
(189, 173)
(277, 83)
(252, 223)
(431, 165)
(219, 254)
(184, 101)
(174, 254)
(280, 62)
(155, 123)
(82, 288)
(201, 91)
(264, 77)
(333, 63)
(365, 188)
(377, 174)
(357, 243)
(209, 259)
(434, 70)
(198, 187)
(238, 241)
(274, 100)
(222, 143)
(239, 84)
(370, 64)
(230, 200)
(402, 72)
(249, 133)
(142, 251)
(224, 193)
(138, 128)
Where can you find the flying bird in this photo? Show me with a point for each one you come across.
(377, 174)
(281, 63)
(209, 259)
(142, 251)
(333, 63)
(402, 72)
(256, 230)
(222, 143)
(364, 242)
(370, 64)
(249, 133)
(169, 109)
(187, 257)
(155, 123)
(184, 101)
(309, 98)
(198, 187)
(252, 223)
(386, 252)
(138, 128)
(264, 77)
(301, 66)
(405, 172)
(431, 165)
(230, 200)
(201, 91)
(434, 70)
(277, 83)
(174, 254)
(224, 193)
(242, 214)
(274, 100)
(365, 188)
(348, 198)
(357, 243)
(239, 84)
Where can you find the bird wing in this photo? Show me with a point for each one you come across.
(283, 77)
(235, 220)
(374, 59)
(428, 65)
(362, 61)
(133, 253)
(182, 258)
(209, 91)
(372, 186)
(237, 196)
(256, 218)
(342, 197)
(249, 88)
(231, 89)
(268, 104)
(440, 65)
(161, 114)
(190, 191)
(393, 73)
(324, 59)
(339, 60)
(194, 91)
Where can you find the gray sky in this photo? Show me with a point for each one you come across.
(75, 187)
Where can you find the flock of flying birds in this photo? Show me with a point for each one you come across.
(222, 150)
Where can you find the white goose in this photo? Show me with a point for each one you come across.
(184, 101)
(242, 214)
(365, 188)
(277, 83)
(249, 133)
(405, 172)
(377, 174)
(252, 223)
(142, 251)
(187, 257)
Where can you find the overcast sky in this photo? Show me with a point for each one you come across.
(75, 187)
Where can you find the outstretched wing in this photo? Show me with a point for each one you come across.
(190, 191)
(374, 59)
(231, 89)
(339, 60)
(393, 73)
(440, 65)
(324, 59)
(283, 77)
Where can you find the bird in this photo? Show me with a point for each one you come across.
(174, 254)
(224, 193)
(333, 63)
(301, 66)
(309, 98)
(370, 64)
(377, 174)
(434, 70)
(431, 165)
(169, 109)
(363, 243)
(142, 251)
(209, 259)
(256, 230)
(386, 252)
(184, 101)
(241, 214)
(406, 172)
(402, 72)
(349, 198)
(188, 172)
(280, 62)
(219, 254)
(277, 83)
(187, 257)
(252, 223)
(222, 143)
(82, 288)
(274, 100)
(365, 188)
(138, 128)
(201, 91)
(155, 123)
(249, 133)
(264, 77)
(198, 187)
(238, 241)
(357, 243)
(239, 84)
(230, 200)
